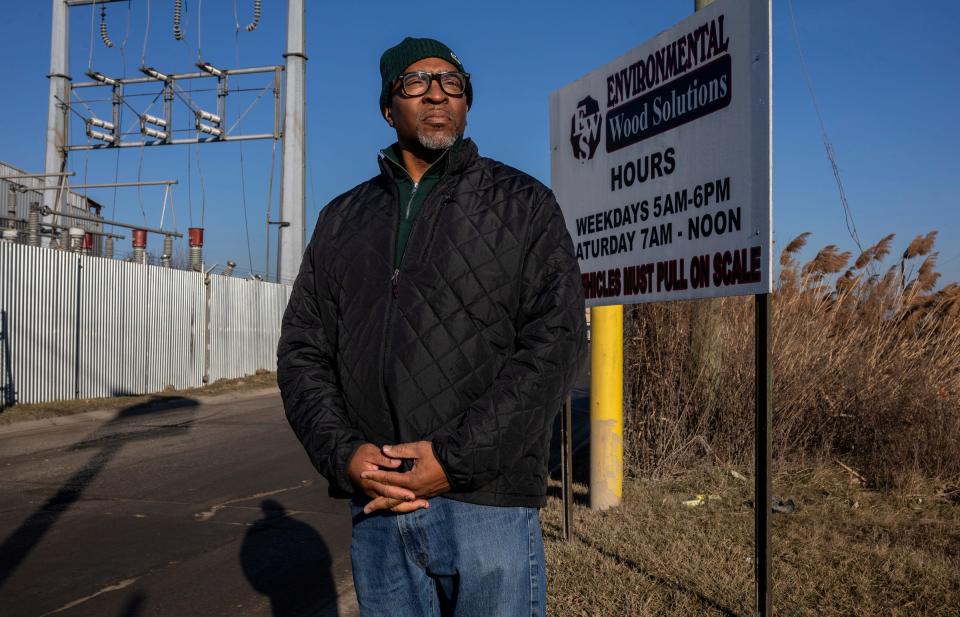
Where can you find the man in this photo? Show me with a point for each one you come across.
(434, 328)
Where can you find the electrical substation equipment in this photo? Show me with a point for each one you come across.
(157, 130)
(177, 13)
(256, 17)
(211, 129)
(103, 27)
(149, 71)
(109, 137)
(98, 76)
(206, 67)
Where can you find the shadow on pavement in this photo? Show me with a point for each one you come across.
(107, 440)
(134, 605)
(287, 561)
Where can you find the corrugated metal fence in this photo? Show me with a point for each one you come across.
(75, 326)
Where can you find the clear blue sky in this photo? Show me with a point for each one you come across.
(884, 73)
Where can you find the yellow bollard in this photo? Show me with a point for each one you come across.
(606, 406)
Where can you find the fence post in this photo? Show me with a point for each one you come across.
(206, 329)
(76, 329)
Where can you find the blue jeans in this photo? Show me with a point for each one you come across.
(453, 558)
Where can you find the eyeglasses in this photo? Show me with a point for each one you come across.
(418, 83)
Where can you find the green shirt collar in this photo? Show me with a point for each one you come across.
(392, 153)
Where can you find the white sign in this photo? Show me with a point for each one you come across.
(661, 161)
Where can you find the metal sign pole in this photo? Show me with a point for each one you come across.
(762, 489)
(566, 465)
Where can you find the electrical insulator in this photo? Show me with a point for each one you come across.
(209, 68)
(102, 136)
(256, 16)
(216, 131)
(101, 123)
(149, 132)
(149, 71)
(98, 76)
(212, 130)
(209, 117)
(177, 7)
(103, 27)
(154, 120)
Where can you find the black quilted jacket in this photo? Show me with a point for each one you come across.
(471, 343)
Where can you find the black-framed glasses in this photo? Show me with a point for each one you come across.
(418, 83)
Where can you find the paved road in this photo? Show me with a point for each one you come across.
(203, 509)
(193, 509)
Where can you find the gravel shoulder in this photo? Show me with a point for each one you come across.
(58, 412)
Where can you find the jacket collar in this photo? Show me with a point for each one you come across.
(459, 155)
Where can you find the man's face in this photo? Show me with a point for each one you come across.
(433, 121)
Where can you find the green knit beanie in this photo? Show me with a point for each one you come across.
(410, 50)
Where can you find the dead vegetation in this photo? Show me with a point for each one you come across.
(866, 362)
(846, 550)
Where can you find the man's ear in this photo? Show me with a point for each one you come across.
(388, 115)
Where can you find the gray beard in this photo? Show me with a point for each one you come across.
(436, 141)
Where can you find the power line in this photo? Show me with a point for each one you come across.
(827, 143)
(93, 12)
(243, 181)
(199, 28)
(146, 37)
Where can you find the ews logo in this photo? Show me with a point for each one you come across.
(585, 126)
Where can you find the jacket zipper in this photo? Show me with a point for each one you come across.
(413, 195)
(395, 293)
(387, 317)
(395, 279)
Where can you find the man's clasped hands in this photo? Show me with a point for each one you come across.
(369, 470)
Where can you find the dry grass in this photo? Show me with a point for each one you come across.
(846, 550)
(866, 368)
(40, 411)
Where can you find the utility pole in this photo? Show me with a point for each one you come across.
(55, 157)
(293, 188)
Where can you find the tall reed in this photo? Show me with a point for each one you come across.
(866, 364)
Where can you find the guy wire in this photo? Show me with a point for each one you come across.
(827, 143)
(243, 181)
(93, 13)
(146, 37)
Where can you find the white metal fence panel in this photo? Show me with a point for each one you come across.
(113, 300)
(273, 302)
(177, 334)
(89, 327)
(142, 328)
(38, 314)
(244, 325)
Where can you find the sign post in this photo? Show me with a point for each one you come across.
(661, 160)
